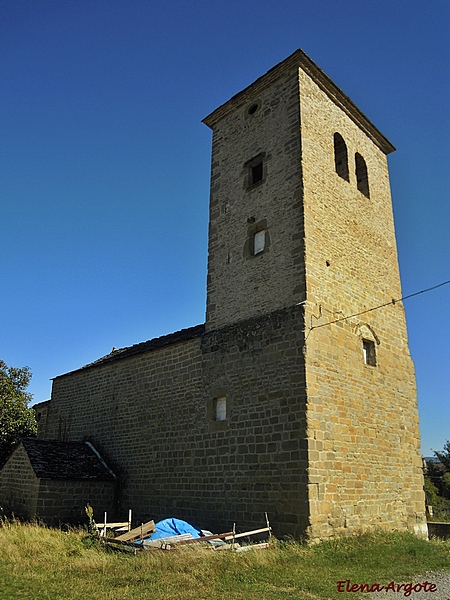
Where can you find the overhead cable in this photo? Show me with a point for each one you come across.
(393, 301)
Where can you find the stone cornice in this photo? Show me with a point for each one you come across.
(299, 60)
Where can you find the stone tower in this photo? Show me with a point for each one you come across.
(301, 224)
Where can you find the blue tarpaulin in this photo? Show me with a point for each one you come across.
(171, 527)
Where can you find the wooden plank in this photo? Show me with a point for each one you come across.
(123, 525)
(111, 525)
(137, 533)
(116, 541)
(247, 533)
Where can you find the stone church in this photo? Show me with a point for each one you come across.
(297, 396)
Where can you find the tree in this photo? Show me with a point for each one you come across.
(17, 419)
(437, 484)
(444, 456)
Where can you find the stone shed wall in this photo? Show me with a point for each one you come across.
(19, 486)
(53, 500)
(64, 501)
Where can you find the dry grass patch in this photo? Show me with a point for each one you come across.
(48, 564)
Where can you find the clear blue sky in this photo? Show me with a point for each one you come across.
(104, 169)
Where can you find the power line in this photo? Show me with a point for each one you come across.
(393, 301)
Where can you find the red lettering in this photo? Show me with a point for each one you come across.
(390, 587)
(345, 585)
(409, 588)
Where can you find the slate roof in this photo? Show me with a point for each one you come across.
(66, 460)
(153, 344)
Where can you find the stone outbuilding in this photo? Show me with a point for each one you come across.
(54, 481)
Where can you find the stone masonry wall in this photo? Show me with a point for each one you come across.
(137, 413)
(19, 486)
(258, 365)
(64, 501)
(151, 417)
(41, 412)
(240, 285)
(363, 435)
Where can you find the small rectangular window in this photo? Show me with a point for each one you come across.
(256, 173)
(369, 353)
(221, 408)
(255, 170)
(259, 242)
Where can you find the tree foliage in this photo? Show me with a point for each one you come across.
(444, 456)
(437, 484)
(17, 419)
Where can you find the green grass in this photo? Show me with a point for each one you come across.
(37, 563)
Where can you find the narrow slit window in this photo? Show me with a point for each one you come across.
(341, 157)
(369, 353)
(259, 242)
(362, 178)
(221, 409)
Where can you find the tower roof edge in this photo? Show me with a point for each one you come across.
(299, 59)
